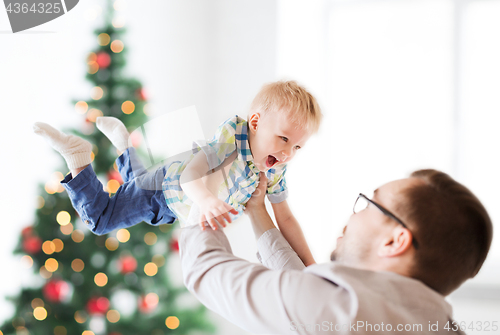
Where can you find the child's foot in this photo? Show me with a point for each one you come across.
(75, 150)
(115, 131)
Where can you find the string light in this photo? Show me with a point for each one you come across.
(111, 244)
(101, 279)
(67, 229)
(119, 5)
(77, 236)
(152, 299)
(44, 273)
(60, 330)
(27, 261)
(172, 322)
(93, 114)
(103, 39)
(40, 313)
(48, 247)
(123, 235)
(77, 265)
(128, 107)
(88, 332)
(92, 156)
(80, 316)
(81, 107)
(93, 67)
(37, 302)
(116, 46)
(113, 186)
(146, 109)
(96, 93)
(51, 265)
(40, 202)
(59, 245)
(150, 238)
(118, 22)
(113, 316)
(150, 269)
(159, 260)
(63, 218)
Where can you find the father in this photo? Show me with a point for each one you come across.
(414, 242)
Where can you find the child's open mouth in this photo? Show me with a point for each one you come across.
(271, 160)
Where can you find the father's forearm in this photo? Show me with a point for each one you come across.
(261, 221)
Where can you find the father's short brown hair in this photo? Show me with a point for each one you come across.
(452, 227)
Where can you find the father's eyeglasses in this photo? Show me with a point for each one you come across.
(362, 202)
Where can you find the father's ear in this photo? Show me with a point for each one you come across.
(253, 122)
(396, 243)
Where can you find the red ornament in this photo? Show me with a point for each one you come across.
(97, 305)
(127, 264)
(141, 94)
(103, 60)
(56, 290)
(174, 245)
(32, 244)
(28, 231)
(148, 303)
(113, 174)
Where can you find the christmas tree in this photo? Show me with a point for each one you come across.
(116, 284)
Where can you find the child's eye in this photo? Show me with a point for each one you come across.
(284, 138)
(297, 147)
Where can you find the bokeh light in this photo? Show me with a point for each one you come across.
(152, 299)
(80, 316)
(59, 245)
(51, 265)
(81, 107)
(37, 302)
(67, 229)
(77, 265)
(113, 186)
(123, 235)
(113, 316)
(118, 22)
(40, 202)
(27, 261)
(93, 114)
(128, 107)
(119, 5)
(101, 279)
(44, 273)
(112, 243)
(150, 238)
(116, 46)
(150, 269)
(77, 236)
(96, 93)
(172, 322)
(159, 260)
(48, 247)
(88, 332)
(60, 330)
(63, 218)
(40, 313)
(103, 39)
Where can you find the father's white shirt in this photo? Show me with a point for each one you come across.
(283, 297)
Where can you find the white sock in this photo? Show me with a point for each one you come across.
(75, 150)
(115, 131)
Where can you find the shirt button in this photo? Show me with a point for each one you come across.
(87, 222)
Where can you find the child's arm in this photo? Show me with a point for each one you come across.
(292, 232)
(202, 189)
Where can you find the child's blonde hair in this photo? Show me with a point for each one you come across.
(289, 97)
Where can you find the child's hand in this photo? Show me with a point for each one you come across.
(214, 210)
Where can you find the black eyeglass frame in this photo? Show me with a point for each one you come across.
(387, 213)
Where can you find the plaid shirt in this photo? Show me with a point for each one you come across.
(243, 177)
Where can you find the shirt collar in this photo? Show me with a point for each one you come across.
(242, 144)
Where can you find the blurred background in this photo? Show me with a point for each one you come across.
(403, 84)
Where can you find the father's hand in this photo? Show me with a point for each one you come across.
(256, 209)
(256, 202)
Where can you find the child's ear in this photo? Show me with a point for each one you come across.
(253, 122)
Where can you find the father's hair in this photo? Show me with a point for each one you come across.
(290, 97)
(452, 227)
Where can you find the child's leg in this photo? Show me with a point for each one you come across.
(130, 205)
